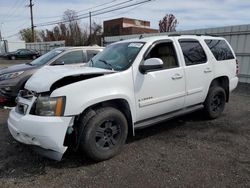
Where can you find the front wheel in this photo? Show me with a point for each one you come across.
(13, 57)
(104, 134)
(215, 102)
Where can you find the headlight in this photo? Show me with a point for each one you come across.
(50, 106)
(10, 75)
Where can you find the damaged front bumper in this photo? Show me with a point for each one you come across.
(46, 133)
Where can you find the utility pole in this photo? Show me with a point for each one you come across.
(1, 31)
(31, 18)
(90, 29)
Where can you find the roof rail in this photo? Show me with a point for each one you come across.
(178, 35)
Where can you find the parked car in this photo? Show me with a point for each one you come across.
(22, 54)
(130, 85)
(13, 78)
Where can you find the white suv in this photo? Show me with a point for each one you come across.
(130, 85)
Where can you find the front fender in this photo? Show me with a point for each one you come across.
(83, 94)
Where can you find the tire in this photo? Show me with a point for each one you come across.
(104, 134)
(215, 102)
(12, 57)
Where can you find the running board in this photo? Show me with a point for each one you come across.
(164, 117)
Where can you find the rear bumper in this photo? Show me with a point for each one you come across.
(233, 83)
(45, 132)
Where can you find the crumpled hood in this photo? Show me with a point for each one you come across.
(45, 77)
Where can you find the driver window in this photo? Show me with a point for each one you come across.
(165, 52)
(72, 58)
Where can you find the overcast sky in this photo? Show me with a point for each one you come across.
(191, 14)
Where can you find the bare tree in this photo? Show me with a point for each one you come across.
(26, 35)
(70, 31)
(168, 23)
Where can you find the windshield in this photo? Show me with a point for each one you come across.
(46, 57)
(118, 56)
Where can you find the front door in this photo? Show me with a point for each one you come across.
(160, 91)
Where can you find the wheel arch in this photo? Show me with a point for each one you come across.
(120, 104)
(82, 119)
(222, 81)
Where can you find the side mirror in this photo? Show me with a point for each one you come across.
(58, 63)
(151, 64)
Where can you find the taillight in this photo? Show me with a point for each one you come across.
(237, 68)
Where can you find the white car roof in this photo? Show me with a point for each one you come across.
(156, 38)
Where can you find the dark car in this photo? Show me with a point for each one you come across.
(13, 78)
(23, 54)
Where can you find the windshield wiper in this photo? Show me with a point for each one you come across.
(106, 63)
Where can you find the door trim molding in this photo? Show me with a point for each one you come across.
(152, 101)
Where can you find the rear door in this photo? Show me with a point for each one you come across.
(198, 70)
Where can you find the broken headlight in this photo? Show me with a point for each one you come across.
(10, 75)
(50, 106)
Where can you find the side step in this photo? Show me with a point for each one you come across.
(164, 117)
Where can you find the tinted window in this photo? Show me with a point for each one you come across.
(23, 52)
(72, 58)
(220, 49)
(193, 52)
(165, 52)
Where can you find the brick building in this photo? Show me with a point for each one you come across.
(126, 26)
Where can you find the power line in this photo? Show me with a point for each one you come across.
(61, 20)
(133, 8)
(16, 9)
(91, 8)
(94, 13)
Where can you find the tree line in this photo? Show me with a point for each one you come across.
(69, 30)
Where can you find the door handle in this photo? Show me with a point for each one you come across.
(207, 70)
(176, 76)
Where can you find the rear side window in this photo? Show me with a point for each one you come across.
(220, 49)
(193, 52)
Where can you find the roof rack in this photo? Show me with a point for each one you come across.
(178, 35)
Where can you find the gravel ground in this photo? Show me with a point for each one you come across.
(185, 152)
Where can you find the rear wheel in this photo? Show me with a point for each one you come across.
(104, 134)
(13, 57)
(215, 102)
(33, 57)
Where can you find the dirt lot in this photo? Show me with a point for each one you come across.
(185, 152)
